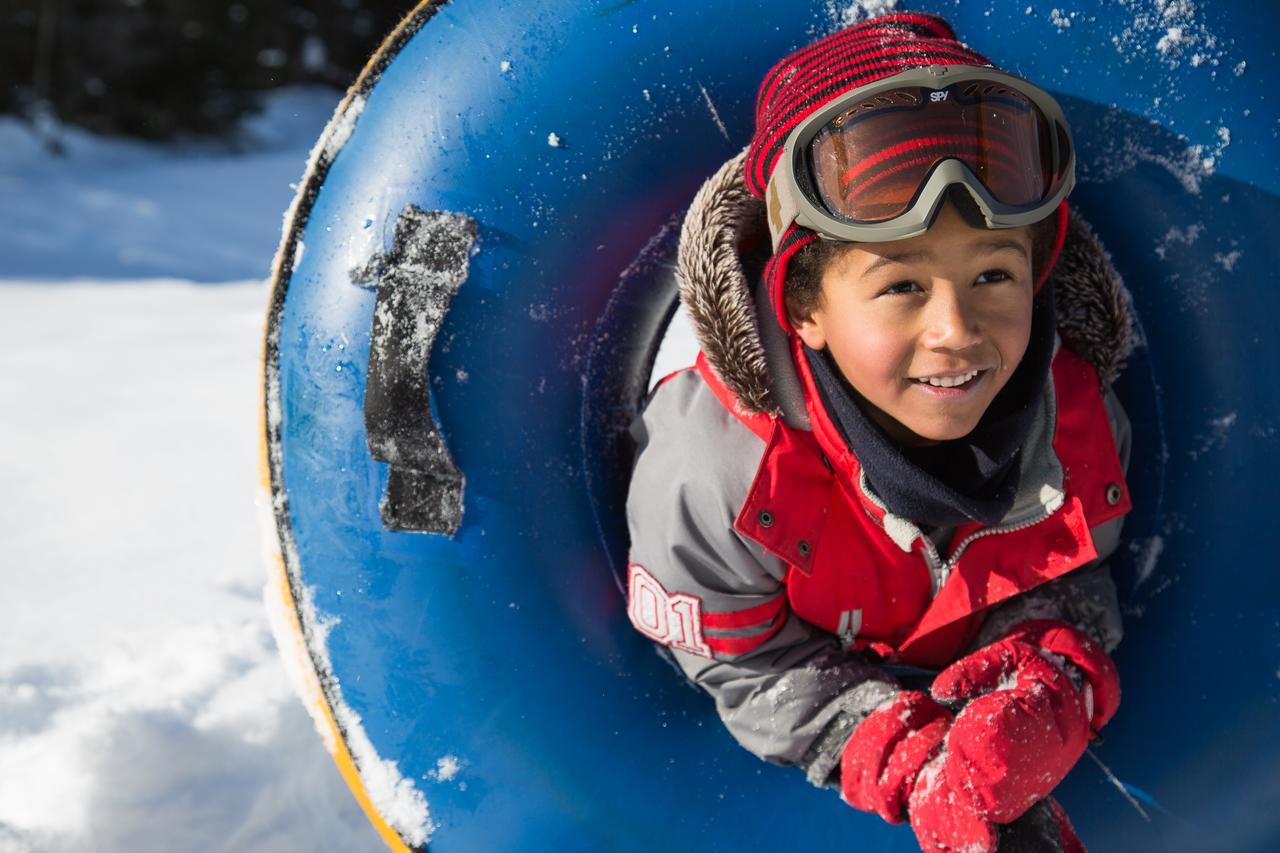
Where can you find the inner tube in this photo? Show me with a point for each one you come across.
(472, 285)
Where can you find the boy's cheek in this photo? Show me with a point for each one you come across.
(873, 362)
(1011, 328)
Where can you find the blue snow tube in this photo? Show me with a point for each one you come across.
(468, 298)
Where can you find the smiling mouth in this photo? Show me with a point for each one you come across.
(961, 381)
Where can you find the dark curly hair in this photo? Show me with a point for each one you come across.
(803, 288)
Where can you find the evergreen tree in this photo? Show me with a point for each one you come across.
(160, 68)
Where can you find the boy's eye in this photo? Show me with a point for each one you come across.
(996, 275)
(901, 287)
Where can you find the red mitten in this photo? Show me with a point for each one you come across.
(883, 756)
(891, 766)
(1102, 682)
(942, 819)
(1025, 724)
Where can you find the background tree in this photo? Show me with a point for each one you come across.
(161, 68)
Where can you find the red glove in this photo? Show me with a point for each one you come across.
(1025, 724)
(891, 765)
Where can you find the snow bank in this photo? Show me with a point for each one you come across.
(143, 705)
(166, 747)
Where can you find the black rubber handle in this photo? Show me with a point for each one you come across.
(415, 281)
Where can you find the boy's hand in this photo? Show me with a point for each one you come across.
(892, 766)
(943, 819)
(884, 755)
(1026, 724)
(942, 822)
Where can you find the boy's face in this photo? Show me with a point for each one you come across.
(942, 305)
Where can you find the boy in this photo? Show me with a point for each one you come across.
(871, 521)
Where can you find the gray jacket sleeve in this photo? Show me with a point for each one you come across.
(1087, 596)
(786, 690)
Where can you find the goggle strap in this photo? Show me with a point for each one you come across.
(781, 210)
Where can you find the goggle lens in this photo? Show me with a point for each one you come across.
(870, 162)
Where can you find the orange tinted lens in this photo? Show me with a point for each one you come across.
(871, 160)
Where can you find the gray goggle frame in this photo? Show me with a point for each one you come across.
(786, 202)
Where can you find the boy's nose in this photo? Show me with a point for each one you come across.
(949, 322)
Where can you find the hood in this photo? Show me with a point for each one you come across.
(724, 245)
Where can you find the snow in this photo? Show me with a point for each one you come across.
(1169, 42)
(125, 210)
(1185, 236)
(448, 768)
(840, 15)
(1216, 437)
(1008, 681)
(1157, 38)
(780, 693)
(1147, 553)
(143, 703)
(341, 130)
(1174, 28)
(1120, 151)
(397, 799)
(1227, 261)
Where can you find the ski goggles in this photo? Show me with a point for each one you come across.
(874, 164)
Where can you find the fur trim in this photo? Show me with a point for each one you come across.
(1092, 303)
(714, 288)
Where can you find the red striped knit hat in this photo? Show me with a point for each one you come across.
(810, 78)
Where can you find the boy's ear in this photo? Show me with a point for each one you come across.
(809, 329)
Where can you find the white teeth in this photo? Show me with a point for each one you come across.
(948, 381)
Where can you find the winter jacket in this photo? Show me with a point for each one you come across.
(760, 555)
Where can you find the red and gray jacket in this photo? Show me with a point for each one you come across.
(763, 559)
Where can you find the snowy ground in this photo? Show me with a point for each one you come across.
(142, 704)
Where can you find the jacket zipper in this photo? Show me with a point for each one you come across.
(987, 531)
(940, 570)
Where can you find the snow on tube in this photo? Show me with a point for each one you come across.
(468, 298)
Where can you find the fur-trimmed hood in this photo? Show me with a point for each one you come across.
(724, 245)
